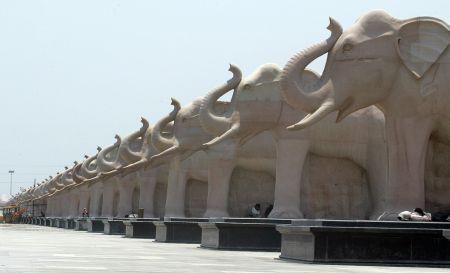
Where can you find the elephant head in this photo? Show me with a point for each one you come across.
(257, 105)
(379, 61)
(188, 134)
(66, 178)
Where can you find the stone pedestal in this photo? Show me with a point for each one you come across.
(60, 222)
(81, 224)
(69, 224)
(95, 224)
(140, 228)
(242, 234)
(366, 242)
(179, 230)
(53, 222)
(114, 226)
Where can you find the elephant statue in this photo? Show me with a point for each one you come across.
(400, 66)
(182, 152)
(124, 152)
(125, 158)
(258, 105)
(86, 169)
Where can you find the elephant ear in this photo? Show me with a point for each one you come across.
(421, 42)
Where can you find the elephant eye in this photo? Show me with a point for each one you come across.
(247, 86)
(347, 47)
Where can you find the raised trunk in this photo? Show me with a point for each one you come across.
(86, 171)
(66, 179)
(211, 122)
(126, 152)
(159, 141)
(103, 164)
(301, 96)
(77, 178)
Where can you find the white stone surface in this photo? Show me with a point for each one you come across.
(25, 248)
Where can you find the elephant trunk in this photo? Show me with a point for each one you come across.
(308, 97)
(125, 150)
(159, 141)
(212, 123)
(75, 176)
(85, 170)
(103, 164)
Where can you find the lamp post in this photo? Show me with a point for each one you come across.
(11, 172)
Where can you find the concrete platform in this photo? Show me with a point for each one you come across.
(140, 228)
(95, 224)
(328, 241)
(242, 233)
(37, 249)
(60, 222)
(114, 226)
(81, 224)
(179, 230)
(70, 223)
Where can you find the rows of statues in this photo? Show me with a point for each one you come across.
(373, 131)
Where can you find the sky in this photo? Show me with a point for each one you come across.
(75, 73)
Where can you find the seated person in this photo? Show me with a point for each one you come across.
(255, 212)
(416, 215)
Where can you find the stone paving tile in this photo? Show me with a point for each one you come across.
(26, 248)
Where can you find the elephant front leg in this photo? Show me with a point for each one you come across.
(108, 199)
(221, 162)
(219, 176)
(291, 155)
(407, 140)
(176, 190)
(125, 200)
(147, 193)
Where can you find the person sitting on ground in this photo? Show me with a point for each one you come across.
(268, 211)
(255, 212)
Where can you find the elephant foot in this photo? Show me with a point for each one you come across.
(286, 214)
(215, 213)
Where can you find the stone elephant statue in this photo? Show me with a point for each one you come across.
(182, 151)
(258, 105)
(400, 66)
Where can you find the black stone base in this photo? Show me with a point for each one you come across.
(81, 224)
(60, 222)
(53, 222)
(95, 224)
(179, 230)
(328, 241)
(114, 226)
(242, 234)
(69, 224)
(140, 228)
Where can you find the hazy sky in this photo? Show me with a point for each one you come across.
(74, 73)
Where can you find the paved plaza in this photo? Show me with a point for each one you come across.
(26, 248)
